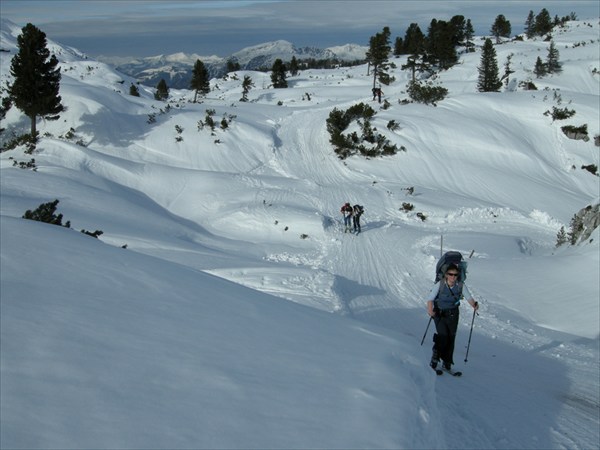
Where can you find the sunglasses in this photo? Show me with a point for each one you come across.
(453, 274)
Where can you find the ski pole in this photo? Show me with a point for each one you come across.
(426, 329)
(470, 334)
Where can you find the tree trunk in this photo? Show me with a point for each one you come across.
(33, 129)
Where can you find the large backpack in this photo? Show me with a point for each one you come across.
(448, 258)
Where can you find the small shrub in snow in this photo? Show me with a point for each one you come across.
(560, 113)
(561, 237)
(369, 143)
(427, 94)
(45, 213)
(24, 139)
(528, 85)
(393, 125)
(25, 165)
(578, 133)
(592, 168)
(93, 234)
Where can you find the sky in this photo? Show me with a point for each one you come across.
(224, 307)
(221, 28)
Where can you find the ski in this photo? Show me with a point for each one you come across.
(453, 373)
(437, 371)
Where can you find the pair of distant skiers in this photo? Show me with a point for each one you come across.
(351, 216)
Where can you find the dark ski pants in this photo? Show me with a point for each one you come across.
(446, 324)
(356, 223)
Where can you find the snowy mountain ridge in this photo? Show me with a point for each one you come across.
(176, 68)
(223, 306)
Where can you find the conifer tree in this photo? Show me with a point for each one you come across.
(247, 84)
(500, 28)
(458, 26)
(561, 237)
(552, 63)
(278, 74)
(133, 90)
(162, 90)
(200, 82)
(507, 70)
(540, 68)
(543, 23)
(440, 44)
(414, 40)
(469, 33)
(232, 65)
(36, 77)
(575, 229)
(377, 55)
(488, 69)
(530, 25)
(398, 46)
(294, 66)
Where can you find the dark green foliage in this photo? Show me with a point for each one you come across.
(552, 63)
(377, 55)
(369, 143)
(488, 69)
(469, 33)
(294, 67)
(93, 234)
(575, 230)
(561, 113)
(134, 91)
(247, 84)
(26, 139)
(4, 107)
(540, 68)
(416, 63)
(36, 81)
(25, 165)
(501, 28)
(561, 237)
(162, 90)
(543, 23)
(200, 82)
(427, 94)
(530, 25)
(576, 132)
(278, 74)
(414, 40)
(45, 213)
(507, 70)
(591, 168)
(232, 65)
(398, 46)
(441, 43)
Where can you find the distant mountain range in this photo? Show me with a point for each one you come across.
(176, 69)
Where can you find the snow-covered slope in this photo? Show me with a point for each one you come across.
(223, 307)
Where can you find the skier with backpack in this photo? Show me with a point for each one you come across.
(346, 211)
(357, 211)
(443, 304)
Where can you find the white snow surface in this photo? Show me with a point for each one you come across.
(218, 326)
